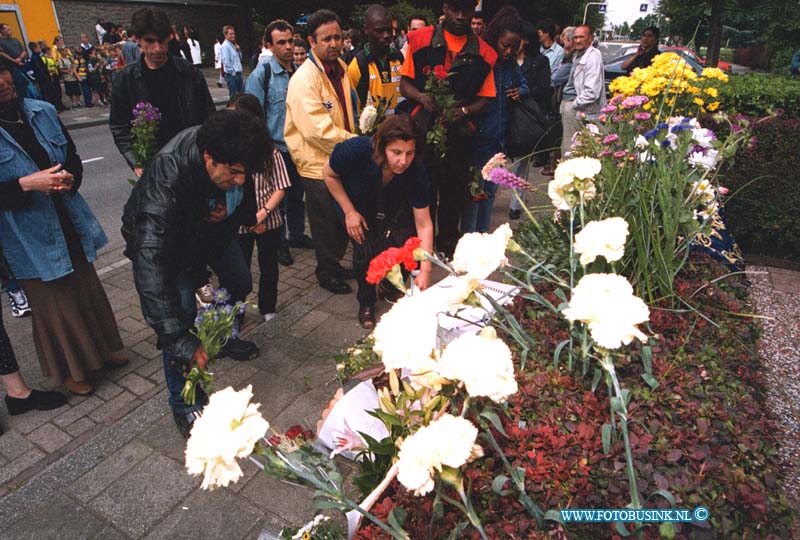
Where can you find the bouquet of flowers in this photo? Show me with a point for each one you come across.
(372, 115)
(319, 528)
(214, 324)
(438, 87)
(144, 130)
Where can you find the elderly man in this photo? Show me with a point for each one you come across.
(320, 112)
(375, 69)
(584, 93)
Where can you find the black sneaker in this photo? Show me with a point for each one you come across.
(284, 257)
(514, 214)
(184, 421)
(239, 349)
(304, 242)
(336, 285)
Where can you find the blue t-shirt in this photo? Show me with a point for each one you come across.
(361, 177)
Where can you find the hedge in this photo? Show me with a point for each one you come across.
(759, 94)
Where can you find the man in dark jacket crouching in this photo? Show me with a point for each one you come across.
(182, 215)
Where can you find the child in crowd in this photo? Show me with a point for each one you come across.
(96, 67)
(80, 61)
(72, 87)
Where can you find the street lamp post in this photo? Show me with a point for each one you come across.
(586, 9)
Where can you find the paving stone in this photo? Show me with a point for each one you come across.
(17, 466)
(207, 514)
(165, 438)
(80, 426)
(143, 495)
(110, 533)
(59, 518)
(114, 409)
(106, 389)
(308, 323)
(109, 470)
(340, 332)
(49, 438)
(14, 445)
(784, 280)
(151, 367)
(131, 325)
(78, 411)
(294, 504)
(136, 383)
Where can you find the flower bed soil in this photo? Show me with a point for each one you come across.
(703, 434)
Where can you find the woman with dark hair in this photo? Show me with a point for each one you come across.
(383, 195)
(504, 35)
(270, 187)
(535, 67)
(50, 239)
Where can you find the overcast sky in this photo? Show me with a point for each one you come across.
(619, 11)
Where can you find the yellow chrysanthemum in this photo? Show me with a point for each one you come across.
(698, 101)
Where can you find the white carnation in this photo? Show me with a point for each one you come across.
(479, 254)
(482, 363)
(606, 238)
(704, 160)
(366, 122)
(606, 303)
(228, 429)
(571, 177)
(405, 336)
(448, 441)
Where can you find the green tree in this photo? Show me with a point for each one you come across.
(638, 26)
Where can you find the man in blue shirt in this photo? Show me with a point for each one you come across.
(231, 58)
(269, 82)
(549, 48)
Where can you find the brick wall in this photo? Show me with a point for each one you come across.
(76, 16)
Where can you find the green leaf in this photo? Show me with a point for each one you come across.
(605, 435)
(598, 373)
(553, 515)
(386, 418)
(667, 530)
(457, 530)
(621, 529)
(651, 381)
(557, 352)
(396, 517)
(617, 405)
(325, 504)
(647, 359)
(492, 417)
(665, 494)
(498, 483)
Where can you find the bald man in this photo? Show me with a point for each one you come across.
(375, 69)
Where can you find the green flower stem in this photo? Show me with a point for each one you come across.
(466, 508)
(334, 494)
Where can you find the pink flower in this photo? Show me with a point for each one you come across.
(619, 154)
(608, 109)
(611, 138)
(347, 439)
(503, 177)
(618, 118)
(616, 99)
(723, 190)
(642, 116)
(604, 153)
(602, 117)
(634, 101)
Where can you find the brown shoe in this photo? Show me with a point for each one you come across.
(78, 388)
(548, 171)
(118, 359)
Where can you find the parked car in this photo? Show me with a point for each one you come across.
(689, 53)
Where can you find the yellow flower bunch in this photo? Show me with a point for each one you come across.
(673, 81)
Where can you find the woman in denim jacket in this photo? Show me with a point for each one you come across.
(50, 240)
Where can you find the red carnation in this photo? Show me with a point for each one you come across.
(426, 70)
(293, 432)
(440, 73)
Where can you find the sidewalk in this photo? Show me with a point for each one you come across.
(98, 115)
(110, 466)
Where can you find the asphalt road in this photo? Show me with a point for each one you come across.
(105, 179)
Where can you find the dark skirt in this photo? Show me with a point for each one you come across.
(74, 329)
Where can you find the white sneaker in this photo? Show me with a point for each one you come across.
(19, 303)
(205, 294)
(269, 316)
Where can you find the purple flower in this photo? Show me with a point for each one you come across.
(611, 138)
(618, 118)
(604, 153)
(650, 134)
(503, 177)
(680, 127)
(608, 109)
(665, 143)
(662, 125)
(642, 116)
(616, 99)
(619, 154)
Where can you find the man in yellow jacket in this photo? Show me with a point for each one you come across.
(320, 113)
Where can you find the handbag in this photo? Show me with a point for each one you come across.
(527, 126)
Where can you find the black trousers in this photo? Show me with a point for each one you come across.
(327, 231)
(267, 265)
(8, 362)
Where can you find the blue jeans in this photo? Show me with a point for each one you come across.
(173, 366)
(477, 216)
(235, 84)
(293, 208)
(233, 271)
(87, 93)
